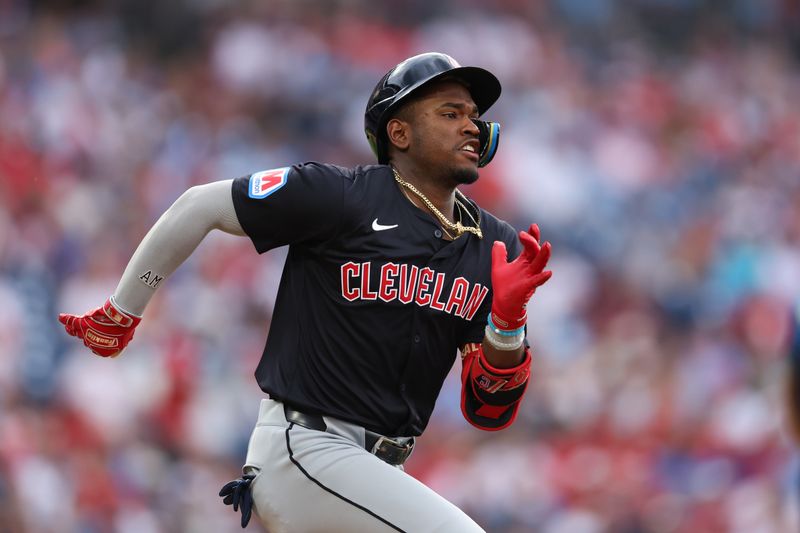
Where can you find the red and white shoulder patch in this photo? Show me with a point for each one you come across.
(266, 182)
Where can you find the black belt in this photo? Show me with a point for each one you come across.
(393, 451)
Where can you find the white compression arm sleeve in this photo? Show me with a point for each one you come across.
(173, 239)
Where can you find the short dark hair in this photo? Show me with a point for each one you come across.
(406, 111)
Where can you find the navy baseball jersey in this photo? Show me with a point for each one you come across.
(373, 302)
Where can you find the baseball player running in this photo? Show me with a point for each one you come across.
(391, 270)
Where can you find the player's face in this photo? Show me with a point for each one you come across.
(443, 137)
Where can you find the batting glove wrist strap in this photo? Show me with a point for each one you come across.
(504, 332)
(505, 323)
(490, 396)
(106, 330)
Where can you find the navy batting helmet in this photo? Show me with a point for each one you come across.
(400, 83)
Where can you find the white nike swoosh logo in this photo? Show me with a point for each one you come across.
(381, 227)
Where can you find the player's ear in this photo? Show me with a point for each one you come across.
(398, 133)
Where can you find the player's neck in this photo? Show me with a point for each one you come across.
(440, 194)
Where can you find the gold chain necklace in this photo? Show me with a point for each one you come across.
(444, 230)
(457, 227)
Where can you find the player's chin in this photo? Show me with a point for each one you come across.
(465, 168)
(465, 174)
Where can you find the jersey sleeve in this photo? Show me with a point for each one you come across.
(476, 327)
(301, 203)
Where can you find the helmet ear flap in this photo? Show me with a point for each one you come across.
(488, 137)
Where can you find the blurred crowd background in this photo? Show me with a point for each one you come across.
(656, 143)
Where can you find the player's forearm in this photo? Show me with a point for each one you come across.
(502, 358)
(173, 239)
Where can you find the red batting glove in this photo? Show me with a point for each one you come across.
(514, 283)
(106, 330)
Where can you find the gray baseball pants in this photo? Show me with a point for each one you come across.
(326, 481)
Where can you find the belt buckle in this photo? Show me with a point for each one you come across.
(392, 451)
